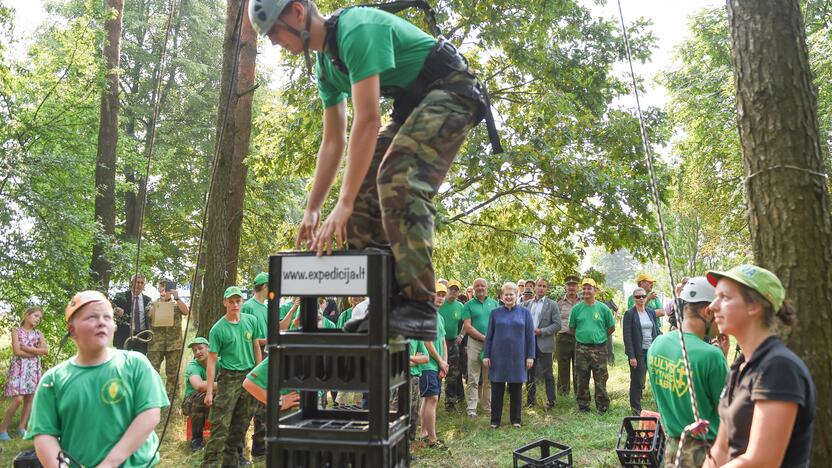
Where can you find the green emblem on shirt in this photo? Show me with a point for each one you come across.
(670, 375)
(248, 336)
(112, 392)
(597, 316)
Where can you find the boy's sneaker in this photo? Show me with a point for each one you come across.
(439, 445)
(4, 436)
(197, 445)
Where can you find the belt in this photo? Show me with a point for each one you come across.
(592, 345)
(567, 334)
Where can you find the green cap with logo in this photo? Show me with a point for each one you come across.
(261, 278)
(756, 278)
(198, 340)
(232, 291)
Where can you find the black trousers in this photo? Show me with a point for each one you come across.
(515, 401)
(541, 371)
(638, 377)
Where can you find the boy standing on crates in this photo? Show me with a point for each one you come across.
(232, 340)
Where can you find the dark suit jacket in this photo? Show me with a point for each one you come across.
(632, 331)
(549, 324)
(124, 300)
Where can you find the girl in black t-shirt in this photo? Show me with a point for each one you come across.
(767, 408)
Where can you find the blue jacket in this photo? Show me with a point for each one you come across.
(509, 341)
(632, 331)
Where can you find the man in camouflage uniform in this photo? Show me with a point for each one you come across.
(167, 339)
(392, 171)
(593, 322)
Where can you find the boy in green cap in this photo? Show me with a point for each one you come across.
(196, 383)
(233, 341)
(100, 406)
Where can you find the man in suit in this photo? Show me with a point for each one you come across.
(546, 317)
(124, 304)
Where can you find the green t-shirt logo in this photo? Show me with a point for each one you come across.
(248, 336)
(112, 393)
(670, 375)
(597, 316)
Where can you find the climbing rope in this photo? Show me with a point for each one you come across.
(207, 198)
(665, 248)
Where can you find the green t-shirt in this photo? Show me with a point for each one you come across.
(344, 317)
(372, 42)
(591, 322)
(417, 347)
(325, 322)
(89, 408)
(438, 343)
(260, 312)
(284, 309)
(195, 368)
(260, 376)
(233, 342)
(451, 312)
(669, 381)
(479, 312)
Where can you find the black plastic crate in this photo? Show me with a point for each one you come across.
(343, 425)
(27, 459)
(641, 442)
(552, 455)
(299, 453)
(339, 365)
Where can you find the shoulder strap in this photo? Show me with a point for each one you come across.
(331, 41)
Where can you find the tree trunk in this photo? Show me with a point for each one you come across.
(222, 237)
(105, 166)
(788, 202)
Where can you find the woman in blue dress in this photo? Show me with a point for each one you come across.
(509, 351)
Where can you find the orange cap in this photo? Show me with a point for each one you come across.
(83, 298)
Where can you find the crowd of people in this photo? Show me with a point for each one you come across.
(483, 347)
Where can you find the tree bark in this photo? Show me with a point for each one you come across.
(105, 166)
(788, 202)
(222, 230)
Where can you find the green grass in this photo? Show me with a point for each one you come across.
(472, 443)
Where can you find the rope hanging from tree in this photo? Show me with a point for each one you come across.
(665, 248)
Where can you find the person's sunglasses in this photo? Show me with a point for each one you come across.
(639, 297)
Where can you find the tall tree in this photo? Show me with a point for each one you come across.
(786, 184)
(105, 166)
(225, 203)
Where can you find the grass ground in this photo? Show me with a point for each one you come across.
(472, 443)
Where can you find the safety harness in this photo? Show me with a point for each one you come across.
(443, 60)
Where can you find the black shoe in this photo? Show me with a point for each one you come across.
(197, 445)
(550, 405)
(258, 450)
(583, 409)
(411, 319)
(243, 461)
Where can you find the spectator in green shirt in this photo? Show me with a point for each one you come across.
(451, 313)
(475, 315)
(593, 323)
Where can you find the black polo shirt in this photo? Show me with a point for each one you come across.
(773, 373)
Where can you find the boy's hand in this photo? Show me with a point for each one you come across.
(306, 232)
(209, 399)
(336, 223)
(289, 401)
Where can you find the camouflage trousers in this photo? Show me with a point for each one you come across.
(694, 452)
(414, 407)
(230, 416)
(166, 346)
(194, 407)
(394, 205)
(592, 360)
(454, 391)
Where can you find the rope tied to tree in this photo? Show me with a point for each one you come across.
(790, 167)
(698, 424)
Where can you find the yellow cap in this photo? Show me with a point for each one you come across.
(440, 287)
(644, 277)
(589, 281)
(456, 283)
(83, 298)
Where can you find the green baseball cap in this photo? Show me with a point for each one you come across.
(261, 278)
(198, 340)
(572, 279)
(756, 278)
(232, 291)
